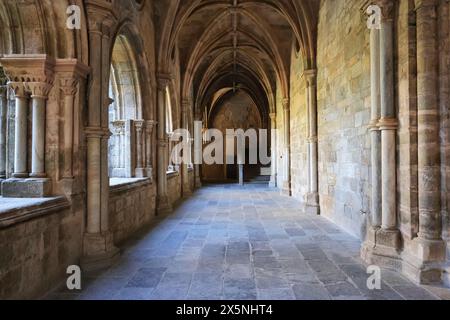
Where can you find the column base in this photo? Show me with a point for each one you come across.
(312, 204)
(187, 192)
(381, 248)
(273, 181)
(424, 261)
(198, 183)
(1, 181)
(149, 173)
(99, 252)
(26, 188)
(286, 190)
(163, 206)
(140, 173)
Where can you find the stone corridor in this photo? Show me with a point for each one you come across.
(242, 243)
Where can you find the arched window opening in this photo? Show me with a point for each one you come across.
(129, 140)
(169, 129)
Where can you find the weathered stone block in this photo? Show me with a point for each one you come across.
(26, 188)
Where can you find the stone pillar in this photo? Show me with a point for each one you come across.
(3, 112)
(375, 134)
(273, 146)
(21, 130)
(39, 94)
(148, 147)
(163, 205)
(69, 90)
(312, 203)
(186, 107)
(139, 128)
(287, 148)
(198, 139)
(430, 248)
(382, 246)
(98, 245)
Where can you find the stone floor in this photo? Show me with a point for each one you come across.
(242, 243)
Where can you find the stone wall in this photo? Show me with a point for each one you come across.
(343, 64)
(35, 254)
(131, 207)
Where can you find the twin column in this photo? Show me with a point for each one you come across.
(39, 92)
(3, 112)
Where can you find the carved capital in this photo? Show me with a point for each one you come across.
(97, 132)
(29, 68)
(149, 125)
(69, 86)
(163, 80)
(273, 116)
(387, 9)
(139, 125)
(286, 104)
(3, 90)
(310, 77)
(39, 90)
(426, 4)
(19, 90)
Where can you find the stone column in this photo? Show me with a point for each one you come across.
(39, 94)
(375, 133)
(287, 148)
(197, 173)
(69, 90)
(163, 205)
(186, 107)
(21, 130)
(98, 245)
(139, 126)
(388, 122)
(273, 146)
(148, 147)
(312, 203)
(431, 247)
(3, 112)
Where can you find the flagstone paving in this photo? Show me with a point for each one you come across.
(242, 243)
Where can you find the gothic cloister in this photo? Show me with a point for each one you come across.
(354, 95)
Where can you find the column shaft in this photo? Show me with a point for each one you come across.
(38, 138)
(430, 224)
(287, 148)
(375, 134)
(388, 126)
(21, 131)
(3, 112)
(273, 146)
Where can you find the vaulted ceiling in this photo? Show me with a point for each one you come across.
(226, 44)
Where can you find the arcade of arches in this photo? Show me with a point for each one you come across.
(88, 115)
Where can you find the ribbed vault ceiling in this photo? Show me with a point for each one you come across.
(243, 44)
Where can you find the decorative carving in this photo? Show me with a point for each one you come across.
(39, 90)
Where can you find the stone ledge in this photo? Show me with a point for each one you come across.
(14, 211)
(121, 185)
(172, 174)
(26, 188)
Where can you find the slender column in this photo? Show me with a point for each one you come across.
(148, 147)
(139, 126)
(375, 133)
(287, 148)
(21, 125)
(39, 94)
(312, 204)
(197, 173)
(186, 106)
(69, 90)
(163, 205)
(3, 112)
(273, 146)
(388, 121)
(430, 224)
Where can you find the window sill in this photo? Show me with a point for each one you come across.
(14, 211)
(124, 184)
(172, 174)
